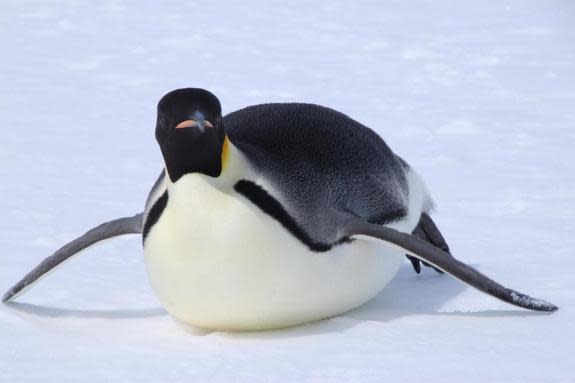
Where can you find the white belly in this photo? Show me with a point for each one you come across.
(218, 262)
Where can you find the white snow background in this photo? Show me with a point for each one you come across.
(478, 96)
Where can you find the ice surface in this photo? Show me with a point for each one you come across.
(478, 96)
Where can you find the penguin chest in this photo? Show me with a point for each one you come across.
(216, 261)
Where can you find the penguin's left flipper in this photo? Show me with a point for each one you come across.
(444, 261)
(120, 226)
(428, 231)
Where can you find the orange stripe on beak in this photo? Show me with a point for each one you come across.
(192, 123)
(186, 124)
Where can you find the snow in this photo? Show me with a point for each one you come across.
(478, 96)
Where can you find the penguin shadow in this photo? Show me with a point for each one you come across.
(410, 294)
(423, 294)
(60, 312)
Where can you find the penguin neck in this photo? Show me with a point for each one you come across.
(234, 168)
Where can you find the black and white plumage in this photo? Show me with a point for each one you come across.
(278, 214)
(339, 166)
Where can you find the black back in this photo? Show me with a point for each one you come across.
(324, 166)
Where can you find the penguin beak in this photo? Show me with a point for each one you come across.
(199, 123)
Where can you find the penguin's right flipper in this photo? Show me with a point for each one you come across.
(120, 226)
(444, 261)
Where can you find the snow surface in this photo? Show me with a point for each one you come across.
(479, 97)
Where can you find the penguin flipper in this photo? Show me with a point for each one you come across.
(120, 226)
(444, 261)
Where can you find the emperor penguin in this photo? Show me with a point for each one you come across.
(277, 215)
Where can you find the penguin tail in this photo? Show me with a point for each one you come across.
(107, 230)
(445, 262)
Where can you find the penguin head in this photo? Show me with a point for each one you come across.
(190, 132)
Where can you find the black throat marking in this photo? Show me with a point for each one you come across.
(269, 205)
(154, 214)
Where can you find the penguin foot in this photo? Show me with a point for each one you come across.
(427, 231)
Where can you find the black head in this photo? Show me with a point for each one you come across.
(190, 133)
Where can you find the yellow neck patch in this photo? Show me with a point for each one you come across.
(225, 153)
